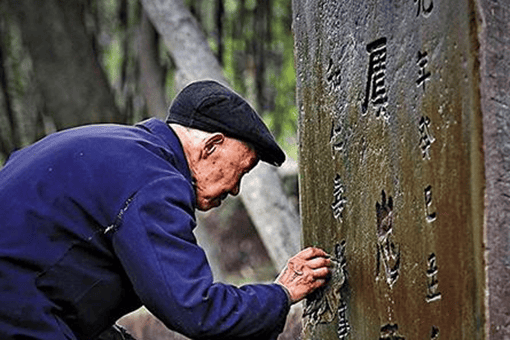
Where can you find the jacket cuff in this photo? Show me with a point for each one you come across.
(286, 291)
(280, 324)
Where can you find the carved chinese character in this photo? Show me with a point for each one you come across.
(343, 325)
(433, 293)
(337, 137)
(430, 217)
(426, 138)
(423, 75)
(333, 74)
(326, 302)
(422, 6)
(387, 252)
(434, 333)
(339, 199)
(376, 89)
(390, 332)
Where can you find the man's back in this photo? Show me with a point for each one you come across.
(58, 200)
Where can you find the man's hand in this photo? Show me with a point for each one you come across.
(305, 272)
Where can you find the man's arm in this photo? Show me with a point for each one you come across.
(170, 273)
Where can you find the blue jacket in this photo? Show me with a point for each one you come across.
(96, 221)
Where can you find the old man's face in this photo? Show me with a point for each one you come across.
(220, 171)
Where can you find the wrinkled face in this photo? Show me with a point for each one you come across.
(220, 170)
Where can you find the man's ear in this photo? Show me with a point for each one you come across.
(212, 142)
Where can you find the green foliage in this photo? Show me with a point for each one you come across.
(252, 38)
(112, 60)
(117, 25)
(17, 122)
(109, 39)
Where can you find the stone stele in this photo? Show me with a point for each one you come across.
(404, 160)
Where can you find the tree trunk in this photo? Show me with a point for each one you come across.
(219, 17)
(152, 76)
(275, 219)
(74, 88)
(185, 41)
(276, 223)
(8, 139)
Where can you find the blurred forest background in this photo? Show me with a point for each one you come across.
(69, 63)
(75, 62)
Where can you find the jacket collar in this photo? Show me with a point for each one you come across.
(172, 142)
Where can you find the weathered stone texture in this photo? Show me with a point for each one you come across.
(495, 93)
(404, 153)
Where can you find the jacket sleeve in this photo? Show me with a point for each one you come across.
(170, 273)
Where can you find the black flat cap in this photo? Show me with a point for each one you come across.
(212, 107)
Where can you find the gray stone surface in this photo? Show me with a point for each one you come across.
(495, 93)
(404, 155)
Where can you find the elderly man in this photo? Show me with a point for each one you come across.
(97, 221)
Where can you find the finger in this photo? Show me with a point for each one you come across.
(305, 253)
(319, 262)
(321, 272)
(312, 252)
(319, 283)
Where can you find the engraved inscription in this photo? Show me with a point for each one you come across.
(434, 333)
(426, 138)
(424, 7)
(433, 293)
(337, 137)
(387, 252)
(429, 216)
(423, 74)
(390, 332)
(326, 302)
(376, 89)
(333, 74)
(343, 325)
(339, 200)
